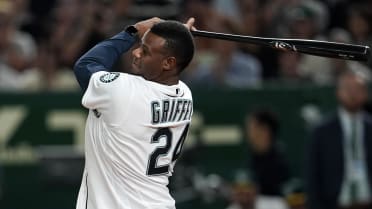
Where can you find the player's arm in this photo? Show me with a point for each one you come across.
(102, 57)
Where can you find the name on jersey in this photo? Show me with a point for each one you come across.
(171, 110)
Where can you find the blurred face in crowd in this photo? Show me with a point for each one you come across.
(289, 64)
(67, 10)
(121, 7)
(259, 135)
(149, 59)
(6, 14)
(4, 30)
(358, 25)
(304, 28)
(352, 92)
(244, 195)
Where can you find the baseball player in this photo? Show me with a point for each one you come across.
(137, 122)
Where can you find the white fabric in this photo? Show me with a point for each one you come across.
(12, 80)
(28, 80)
(267, 202)
(355, 170)
(264, 202)
(118, 142)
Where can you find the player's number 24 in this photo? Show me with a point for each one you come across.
(152, 168)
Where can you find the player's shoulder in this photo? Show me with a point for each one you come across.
(105, 77)
(185, 88)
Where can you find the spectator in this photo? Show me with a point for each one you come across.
(295, 195)
(359, 24)
(269, 166)
(244, 195)
(306, 21)
(219, 63)
(75, 26)
(119, 16)
(324, 71)
(289, 69)
(338, 66)
(339, 166)
(224, 65)
(260, 18)
(17, 52)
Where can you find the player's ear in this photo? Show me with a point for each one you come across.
(169, 63)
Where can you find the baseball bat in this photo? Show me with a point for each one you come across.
(306, 46)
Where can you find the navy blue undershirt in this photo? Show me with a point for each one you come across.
(102, 57)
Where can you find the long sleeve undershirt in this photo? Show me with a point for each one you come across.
(102, 57)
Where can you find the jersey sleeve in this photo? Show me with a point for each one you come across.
(109, 94)
(100, 90)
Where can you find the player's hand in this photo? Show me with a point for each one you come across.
(145, 25)
(190, 24)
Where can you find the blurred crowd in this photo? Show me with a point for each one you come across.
(336, 159)
(41, 39)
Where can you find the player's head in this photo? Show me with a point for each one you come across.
(262, 127)
(352, 91)
(168, 47)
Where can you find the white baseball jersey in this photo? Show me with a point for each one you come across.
(134, 134)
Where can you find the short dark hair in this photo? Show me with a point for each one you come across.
(268, 119)
(179, 41)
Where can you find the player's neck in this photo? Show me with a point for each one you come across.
(166, 80)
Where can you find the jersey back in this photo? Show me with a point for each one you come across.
(134, 134)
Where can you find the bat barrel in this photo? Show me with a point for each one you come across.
(232, 37)
(313, 47)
